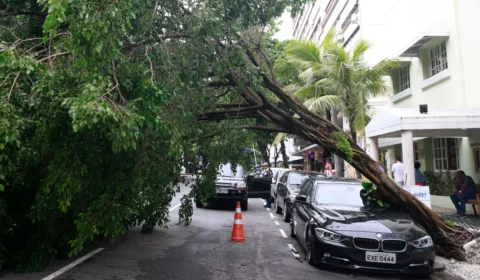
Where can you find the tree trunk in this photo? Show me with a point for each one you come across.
(337, 161)
(264, 152)
(284, 154)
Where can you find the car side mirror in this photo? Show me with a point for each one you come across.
(301, 199)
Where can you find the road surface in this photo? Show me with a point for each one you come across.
(202, 250)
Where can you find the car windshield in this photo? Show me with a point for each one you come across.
(296, 179)
(338, 194)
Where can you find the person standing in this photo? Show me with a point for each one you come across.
(420, 179)
(267, 173)
(466, 189)
(328, 169)
(398, 171)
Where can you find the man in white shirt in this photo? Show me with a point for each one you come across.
(398, 171)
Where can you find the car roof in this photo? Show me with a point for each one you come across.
(306, 172)
(279, 168)
(349, 181)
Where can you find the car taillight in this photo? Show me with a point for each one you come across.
(241, 186)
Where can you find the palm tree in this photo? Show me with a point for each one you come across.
(327, 77)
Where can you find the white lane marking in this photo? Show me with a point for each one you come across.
(268, 209)
(271, 215)
(80, 260)
(277, 223)
(294, 251)
(264, 201)
(174, 207)
(283, 233)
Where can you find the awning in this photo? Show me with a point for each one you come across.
(438, 30)
(390, 122)
(296, 161)
(300, 153)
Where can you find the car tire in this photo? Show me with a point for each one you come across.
(286, 214)
(244, 205)
(310, 248)
(292, 228)
(199, 204)
(278, 210)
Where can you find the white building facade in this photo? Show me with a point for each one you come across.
(437, 43)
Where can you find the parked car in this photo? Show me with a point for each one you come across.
(230, 187)
(277, 174)
(287, 188)
(332, 224)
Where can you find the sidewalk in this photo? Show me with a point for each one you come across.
(471, 268)
(469, 221)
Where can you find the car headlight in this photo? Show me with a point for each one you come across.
(424, 242)
(328, 235)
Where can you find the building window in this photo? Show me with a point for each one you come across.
(404, 78)
(415, 150)
(438, 59)
(445, 154)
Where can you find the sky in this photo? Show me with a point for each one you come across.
(286, 26)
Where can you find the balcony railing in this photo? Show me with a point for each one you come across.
(348, 19)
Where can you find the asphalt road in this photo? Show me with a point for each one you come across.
(203, 250)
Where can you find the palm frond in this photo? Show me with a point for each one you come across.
(359, 51)
(308, 92)
(278, 139)
(292, 88)
(320, 104)
(303, 50)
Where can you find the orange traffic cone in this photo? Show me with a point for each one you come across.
(237, 232)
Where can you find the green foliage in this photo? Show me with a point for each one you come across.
(370, 197)
(343, 145)
(440, 183)
(98, 111)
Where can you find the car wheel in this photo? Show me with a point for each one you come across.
(292, 228)
(244, 205)
(278, 210)
(310, 248)
(199, 204)
(286, 214)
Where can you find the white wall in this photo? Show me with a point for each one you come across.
(289, 149)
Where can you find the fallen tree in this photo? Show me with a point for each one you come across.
(98, 106)
(298, 120)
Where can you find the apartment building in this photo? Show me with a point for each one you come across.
(433, 114)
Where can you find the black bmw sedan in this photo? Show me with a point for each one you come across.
(332, 224)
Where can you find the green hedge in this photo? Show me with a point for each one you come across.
(440, 182)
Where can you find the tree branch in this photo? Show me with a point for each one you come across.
(253, 127)
(28, 13)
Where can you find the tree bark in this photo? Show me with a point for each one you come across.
(338, 161)
(284, 154)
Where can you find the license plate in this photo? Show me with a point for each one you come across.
(378, 257)
(222, 190)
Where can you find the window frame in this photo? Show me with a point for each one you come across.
(437, 59)
(445, 158)
(403, 77)
(415, 151)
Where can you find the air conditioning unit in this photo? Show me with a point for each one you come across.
(354, 19)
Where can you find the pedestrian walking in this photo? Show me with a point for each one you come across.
(398, 171)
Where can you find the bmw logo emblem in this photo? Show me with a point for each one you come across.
(379, 236)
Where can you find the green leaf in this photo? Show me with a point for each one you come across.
(2, 188)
